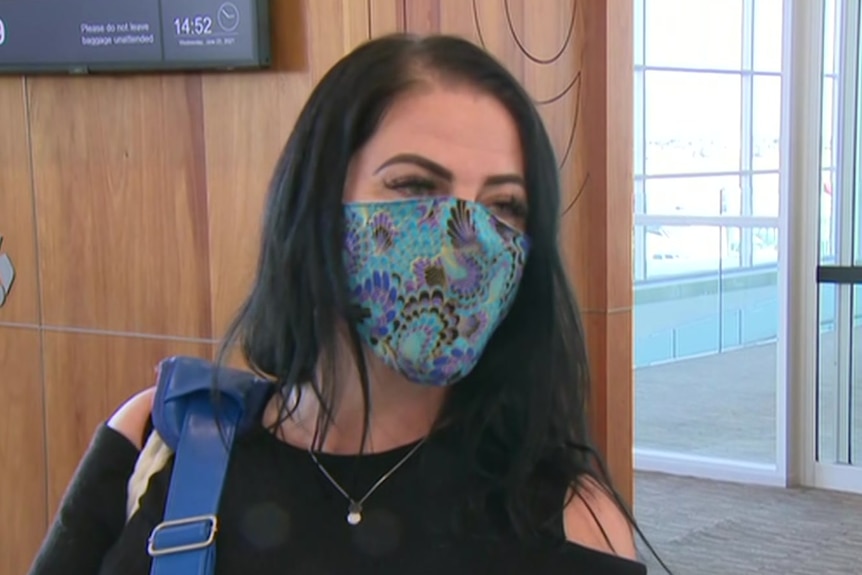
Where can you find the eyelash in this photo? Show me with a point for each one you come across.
(515, 207)
(511, 206)
(413, 186)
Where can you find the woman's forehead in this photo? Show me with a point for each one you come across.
(461, 128)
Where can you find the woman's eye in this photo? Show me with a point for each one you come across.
(510, 208)
(413, 186)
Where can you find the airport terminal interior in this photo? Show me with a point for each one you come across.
(729, 369)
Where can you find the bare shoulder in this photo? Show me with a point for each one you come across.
(131, 418)
(593, 519)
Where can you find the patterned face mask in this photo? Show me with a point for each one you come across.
(432, 279)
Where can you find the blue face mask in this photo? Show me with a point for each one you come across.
(432, 279)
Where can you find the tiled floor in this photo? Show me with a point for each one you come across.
(720, 405)
(724, 405)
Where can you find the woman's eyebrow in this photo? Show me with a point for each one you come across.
(420, 161)
(446, 174)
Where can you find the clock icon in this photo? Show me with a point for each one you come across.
(228, 17)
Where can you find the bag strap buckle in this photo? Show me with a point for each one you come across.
(184, 533)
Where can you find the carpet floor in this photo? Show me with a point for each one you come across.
(703, 527)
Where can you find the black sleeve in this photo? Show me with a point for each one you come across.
(92, 513)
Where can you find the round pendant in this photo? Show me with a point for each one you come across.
(354, 514)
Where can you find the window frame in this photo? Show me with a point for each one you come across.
(746, 221)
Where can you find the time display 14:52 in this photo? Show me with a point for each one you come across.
(193, 26)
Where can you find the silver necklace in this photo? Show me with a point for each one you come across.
(354, 509)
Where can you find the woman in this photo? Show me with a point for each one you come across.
(427, 357)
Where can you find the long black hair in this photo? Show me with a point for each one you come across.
(523, 408)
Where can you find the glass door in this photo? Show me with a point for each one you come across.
(838, 397)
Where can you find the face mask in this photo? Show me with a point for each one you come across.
(431, 279)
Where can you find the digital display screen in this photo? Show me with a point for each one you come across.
(114, 35)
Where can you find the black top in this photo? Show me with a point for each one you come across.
(279, 514)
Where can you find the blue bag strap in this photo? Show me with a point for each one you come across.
(201, 435)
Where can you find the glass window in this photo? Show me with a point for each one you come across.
(855, 415)
(693, 122)
(857, 217)
(766, 122)
(839, 423)
(706, 295)
(693, 196)
(764, 246)
(694, 33)
(705, 358)
(829, 95)
(765, 194)
(768, 21)
(831, 435)
(827, 219)
(685, 250)
(830, 19)
(827, 377)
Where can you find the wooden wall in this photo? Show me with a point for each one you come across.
(130, 208)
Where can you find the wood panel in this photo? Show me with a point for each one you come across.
(423, 16)
(618, 132)
(288, 36)
(87, 377)
(120, 186)
(22, 449)
(609, 339)
(598, 231)
(16, 205)
(550, 46)
(485, 23)
(247, 124)
(385, 17)
(602, 260)
(334, 28)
